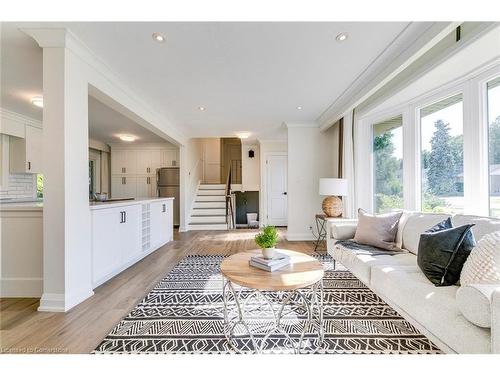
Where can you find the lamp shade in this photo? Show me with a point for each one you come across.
(333, 186)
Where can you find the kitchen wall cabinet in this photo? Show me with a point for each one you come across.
(124, 234)
(124, 186)
(169, 158)
(148, 161)
(123, 162)
(25, 154)
(146, 186)
(139, 166)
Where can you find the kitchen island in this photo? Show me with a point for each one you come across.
(123, 232)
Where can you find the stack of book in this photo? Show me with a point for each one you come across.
(280, 260)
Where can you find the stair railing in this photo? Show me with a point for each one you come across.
(229, 202)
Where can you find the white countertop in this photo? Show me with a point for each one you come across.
(21, 206)
(113, 204)
(38, 205)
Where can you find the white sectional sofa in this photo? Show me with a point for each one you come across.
(434, 310)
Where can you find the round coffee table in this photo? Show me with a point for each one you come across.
(296, 289)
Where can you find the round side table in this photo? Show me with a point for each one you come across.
(298, 287)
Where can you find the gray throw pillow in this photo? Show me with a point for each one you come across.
(377, 230)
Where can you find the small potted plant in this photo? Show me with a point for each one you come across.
(267, 240)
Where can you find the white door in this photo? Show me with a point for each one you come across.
(276, 187)
(118, 161)
(155, 161)
(130, 188)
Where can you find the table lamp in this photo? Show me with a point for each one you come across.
(333, 188)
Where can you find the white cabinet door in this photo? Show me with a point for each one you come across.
(156, 214)
(26, 153)
(130, 233)
(143, 161)
(155, 161)
(117, 162)
(169, 158)
(130, 188)
(106, 252)
(123, 161)
(117, 187)
(34, 149)
(143, 187)
(161, 223)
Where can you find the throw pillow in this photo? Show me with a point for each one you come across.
(377, 230)
(483, 264)
(443, 252)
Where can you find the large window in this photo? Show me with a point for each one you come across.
(442, 160)
(388, 164)
(493, 88)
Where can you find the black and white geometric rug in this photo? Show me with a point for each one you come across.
(184, 314)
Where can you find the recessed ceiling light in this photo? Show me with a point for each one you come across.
(157, 37)
(127, 138)
(37, 101)
(341, 37)
(244, 135)
(299, 108)
(201, 108)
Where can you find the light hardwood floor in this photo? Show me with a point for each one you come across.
(25, 330)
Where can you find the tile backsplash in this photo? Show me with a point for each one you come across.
(20, 185)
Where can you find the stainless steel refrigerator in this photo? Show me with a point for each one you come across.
(167, 182)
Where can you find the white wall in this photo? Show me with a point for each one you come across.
(211, 160)
(250, 167)
(191, 164)
(311, 155)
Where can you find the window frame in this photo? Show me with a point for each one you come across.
(473, 87)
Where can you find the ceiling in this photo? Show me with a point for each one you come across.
(249, 76)
(105, 125)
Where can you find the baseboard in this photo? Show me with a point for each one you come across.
(21, 287)
(52, 302)
(300, 237)
(57, 302)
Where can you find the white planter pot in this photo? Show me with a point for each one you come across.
(268, 253)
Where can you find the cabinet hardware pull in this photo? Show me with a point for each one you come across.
(124, 216)
(121, 217)
(125, 180)
(164, 208)
(29, 166)
(124, 170)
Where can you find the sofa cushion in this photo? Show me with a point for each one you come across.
(343, 230)
(434, 308)
(443, 252)
(377, 230)
(474, 301)
(483, 263)
(416, 224)
(360, 264)
(483, 225)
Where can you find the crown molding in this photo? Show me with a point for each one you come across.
(385, 67)
(17, 117)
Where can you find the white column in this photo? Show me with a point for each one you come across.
(66, 216)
